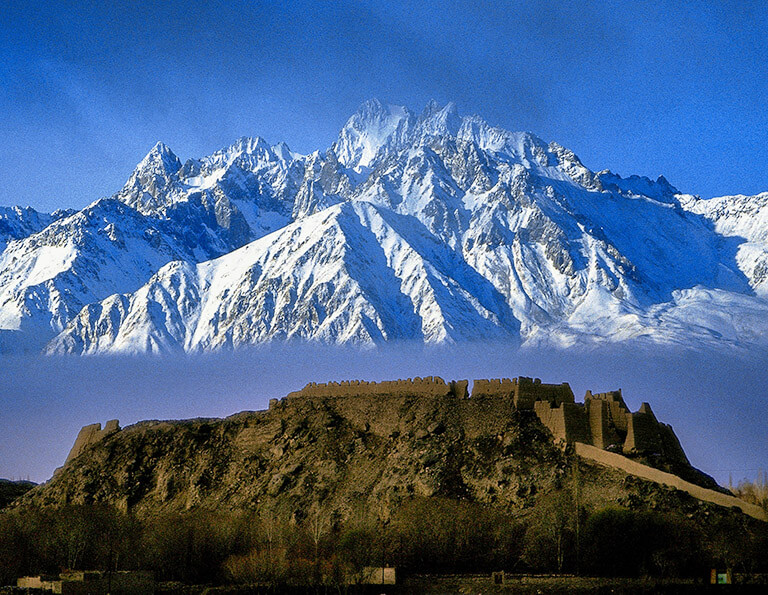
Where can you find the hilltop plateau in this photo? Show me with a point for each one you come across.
(368, 446)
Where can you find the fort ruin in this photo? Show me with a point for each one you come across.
(91, 434)
(429, 387)
(602, 420)
(601, 428)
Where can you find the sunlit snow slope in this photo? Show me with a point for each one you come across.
(431, 227)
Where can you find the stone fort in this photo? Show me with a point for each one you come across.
(602, 420)
(599, 428)
(91, 434)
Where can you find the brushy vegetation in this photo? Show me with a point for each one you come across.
(755, 492)
(432, 535)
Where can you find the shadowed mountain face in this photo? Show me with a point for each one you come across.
(429, 227)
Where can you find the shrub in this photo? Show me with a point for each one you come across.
(619, 542)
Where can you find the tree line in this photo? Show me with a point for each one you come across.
(428, 535)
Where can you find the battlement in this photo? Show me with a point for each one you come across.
(529, 391)
(495, 387)
(91, 434)
(613, 396)
(431, 387)
(523, 391)
(602, 420)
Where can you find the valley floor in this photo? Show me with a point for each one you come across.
(471, 584)
(554, 584)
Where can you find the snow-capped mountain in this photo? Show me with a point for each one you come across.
(47, 277)
(742, 224)
(430, 227)
(17, 223)
(352, 273)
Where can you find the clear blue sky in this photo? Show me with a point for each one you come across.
(675, 88)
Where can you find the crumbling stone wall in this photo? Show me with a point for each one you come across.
(495, 388)
(91, 434)
(619, 462)
(617, 408)
(568, 422)
(603, 420)
(431, 386)
(642, 431)
(531, 390)
(523, 391)
(603, 432)
(645, 434)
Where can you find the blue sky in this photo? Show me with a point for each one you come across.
(674, 88)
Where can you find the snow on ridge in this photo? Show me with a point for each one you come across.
(367, 131)
(431, 227)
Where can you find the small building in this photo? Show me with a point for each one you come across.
(721, 576)
(93, 582)
(377, 575)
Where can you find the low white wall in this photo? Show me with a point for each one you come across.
(610, 459)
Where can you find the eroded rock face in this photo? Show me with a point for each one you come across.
(358, 445)
(344, 452)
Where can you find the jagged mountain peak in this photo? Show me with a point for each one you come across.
(376, 131)
(160, 159)
(283, 151)
(372, 127)
(433, 106)
(19, 222)
(431, 227)
(660, 189)
(437, 120)
(152, 179)
(251, 152)
(249, 144)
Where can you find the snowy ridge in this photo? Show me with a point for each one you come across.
(435, 228)
(16, 223)
(742, 221)
(373, 286)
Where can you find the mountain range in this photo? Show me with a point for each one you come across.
(429, 227)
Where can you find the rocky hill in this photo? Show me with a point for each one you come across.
(354, 447)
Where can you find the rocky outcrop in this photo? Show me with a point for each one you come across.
(347, 453)
(362, 444)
